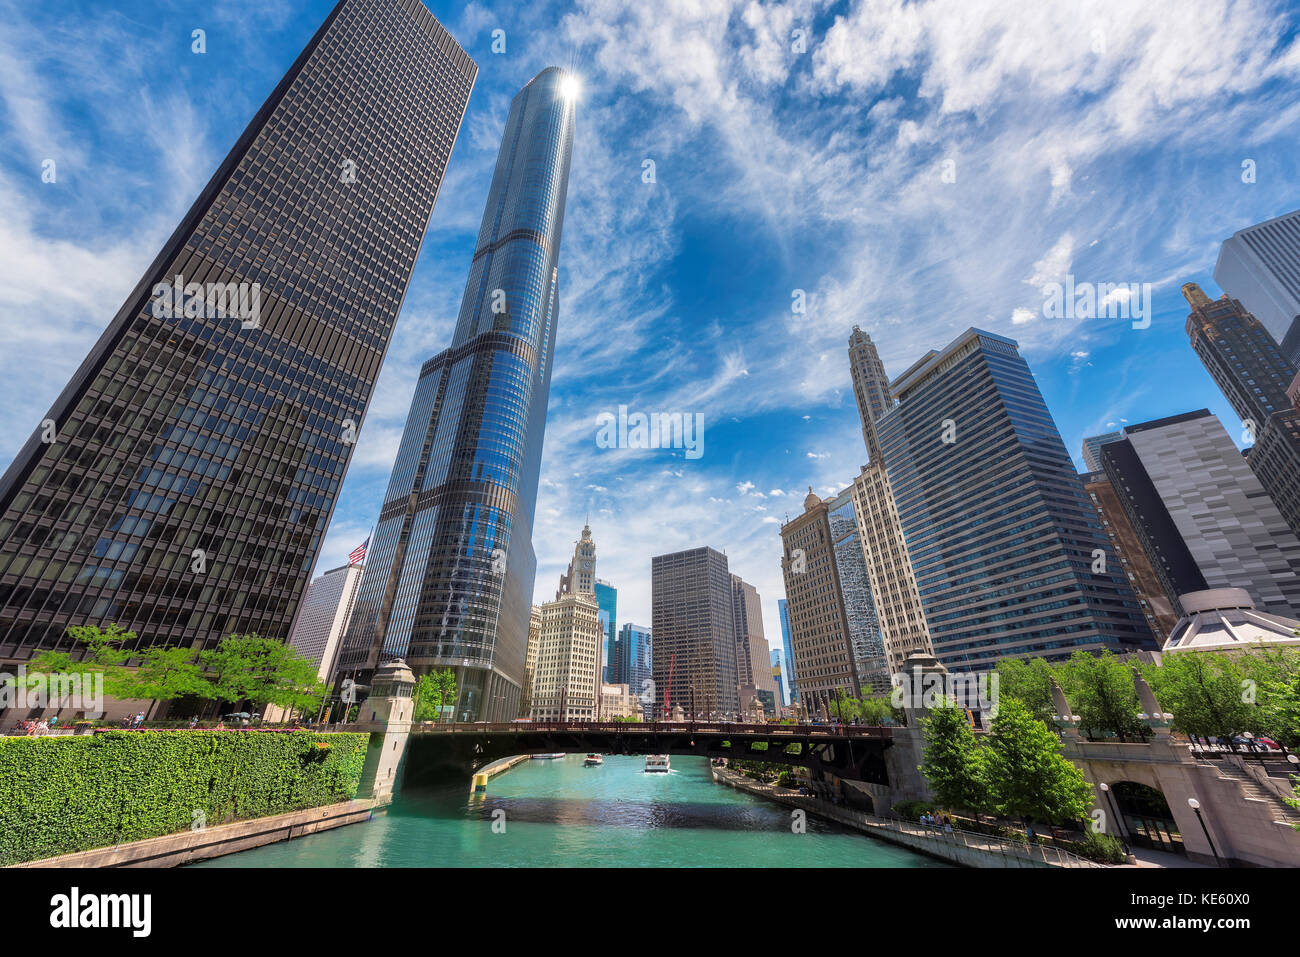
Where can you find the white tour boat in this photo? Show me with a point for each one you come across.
(593, 761)
(656, 763)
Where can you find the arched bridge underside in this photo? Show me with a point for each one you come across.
(854, 753)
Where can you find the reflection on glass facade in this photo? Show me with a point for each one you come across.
(196, 454)
(607, 602)
(449, 580)
(634, 665)
(859, 609)
(1005, 544)
(787, 643)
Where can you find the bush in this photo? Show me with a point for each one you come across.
(1100, 847)
(912, 810)
(74, 793)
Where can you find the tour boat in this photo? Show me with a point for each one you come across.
(593, 761)
(546, 757)
(657, 763)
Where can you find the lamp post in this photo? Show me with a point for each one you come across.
(1195, 805)
(1114, 809)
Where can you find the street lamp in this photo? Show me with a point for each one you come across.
(1195, 805)
(1114, 809)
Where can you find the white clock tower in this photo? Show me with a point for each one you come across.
(581, 577)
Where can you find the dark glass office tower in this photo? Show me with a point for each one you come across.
(449, 575)
(182, 482)
(1251, 370)
(1002, 537)
(693, 616)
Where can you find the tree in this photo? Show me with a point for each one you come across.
(432, 692)
(262, 671)
(1029, 682)
(103, 645)
(1204, 692)
(1026, 773)
(164, 674)
(953, 762)
(876, 710)
(1100, 690)
(843, 706)
(1271, 677)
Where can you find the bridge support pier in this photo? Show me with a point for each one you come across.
(386, 714)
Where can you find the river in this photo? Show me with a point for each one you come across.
(559, 813)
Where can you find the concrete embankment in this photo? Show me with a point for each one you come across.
(190, 846)
(963, 848)
(488, 772)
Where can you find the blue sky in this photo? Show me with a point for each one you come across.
(1099, 139)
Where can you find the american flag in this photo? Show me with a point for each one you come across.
(358, 554)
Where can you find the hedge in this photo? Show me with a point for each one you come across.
(60, 794)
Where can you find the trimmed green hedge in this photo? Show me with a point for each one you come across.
(74, 793)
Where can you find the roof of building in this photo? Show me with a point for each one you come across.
(1225, 619)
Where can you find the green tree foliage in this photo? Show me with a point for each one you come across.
(262, 671)
(164, 674)
(65, 794)
(953, 761)
(1273, 681)
(1029, 681)
(1100, 690)
(1204, 692)
(1026, 773)
(876, 711)
(433, 691)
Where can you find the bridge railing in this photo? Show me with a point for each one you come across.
(674, 727)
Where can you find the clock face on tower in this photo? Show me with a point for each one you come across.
(586, 566)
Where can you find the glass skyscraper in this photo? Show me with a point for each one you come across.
(634, 665)
(1260, 265)
(449, 576)
(787, 673)
(1009, 554)
(607, 603)
(182, 481)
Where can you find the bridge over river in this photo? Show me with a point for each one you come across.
(851, 752)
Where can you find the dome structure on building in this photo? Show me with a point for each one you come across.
(1225, 619)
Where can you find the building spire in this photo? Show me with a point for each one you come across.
(1195, 295)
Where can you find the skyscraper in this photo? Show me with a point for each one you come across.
(1126, 546)
(183, 480)
(1092, 449)
(834, 629)
(1260, 265)
(896, 603)
(449, 578)
(753, 666)
(778, 675)
(607, 605)
(1249, 368)
(323, 619)
(694, 633)
(566, 662)
(634, 665)
(1201, 513)
(1009, 556)
(787, 645)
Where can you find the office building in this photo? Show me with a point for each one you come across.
(566, 667)
(1201, 514)
(323, 617)
(1260, 266)
(182, 481)
(1092, 449)
(753, 666)
(1249, 368)
(1126, 547)
(787, 647)
(618, 702)
(694, 633)
(607, 603)
(449, 580)
(634, 664)
(581, 574)
(896, 603)
(1008, 553)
